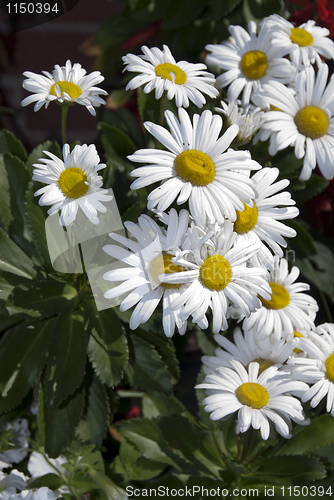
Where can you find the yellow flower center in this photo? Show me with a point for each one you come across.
(162, 264)
(171, 72)
(280, 297)
(70, 88)
(252, 394)
(301, 37)
(264, 364)
(254, 64)
(215, 272)
(297, 334)
(329, 363)
(195, 167)
(312, 122)
(246, 219)
(72, 182)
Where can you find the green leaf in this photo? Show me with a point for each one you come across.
(107, 347)
(287, 163)
(149, 370)
(320, 268)
(286, 469)
(133, 212)
(319, 433)
(37, 153)
(42, 299)
(112, 491)
(116, 139)
(207, 346)
(165, 348)
(133, 466)
(156, 404)
(195, 444)
(182, 13)
(10, 144)
(57, 426)
(67, 359)
(221, 9)
(51, 481)
(36, 222)
(15, 178)
(313, 186)
(98, 411)
(147, 437)
(13, 259)
(303, 243)
(148, 106)
(22, 358)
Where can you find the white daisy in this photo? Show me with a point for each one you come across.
(250, 61)
(305, 120)
(159, 70)
(304, 43)
(288, 309)
(196, 167)
(43, 493)
(259, 399)
(11, 482)
(18, 439)
(216, 275)
(261, 221)
(248, 347)
(248, 120)
(318, 367)
(67, 85)
(149, 258)
(72, 183)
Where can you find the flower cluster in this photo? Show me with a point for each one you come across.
(220, 257)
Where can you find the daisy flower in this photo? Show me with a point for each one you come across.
(248, 120)
(66, 85)
(216, 274)
(196, 167)
(72, 183)
(318, 367)
(248, 347)
(260, 400)
(149, 258)
(42, 493)
(159, 70)
(11, 482)
(288, 309)
(261, 221)
(305, 120)
(304, 43)
(249, 62)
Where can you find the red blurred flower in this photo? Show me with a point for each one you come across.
(141, 36)
(133, 412)
(322, 208)
(322, 11)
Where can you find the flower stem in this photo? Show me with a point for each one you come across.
(163, 102)
(64, 111)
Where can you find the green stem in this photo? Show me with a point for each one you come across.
(64, 478)
(64, 111)
(163, 102)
